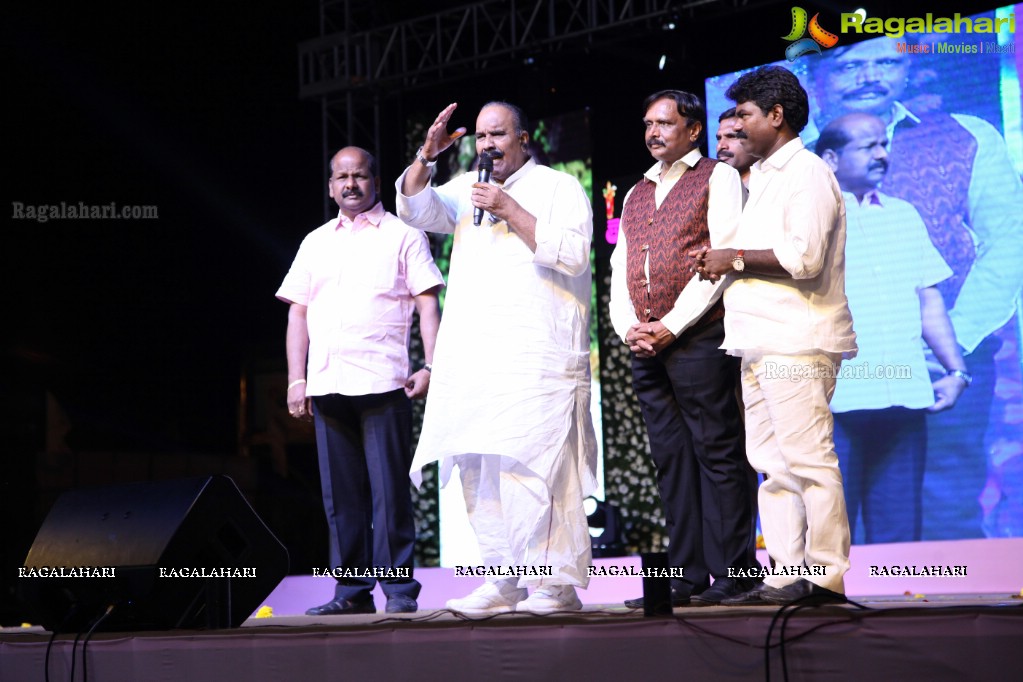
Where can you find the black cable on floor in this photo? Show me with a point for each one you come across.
(46, 659)
(85, 643)
(74, 649)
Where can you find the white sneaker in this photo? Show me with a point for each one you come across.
(551, 598)
(489, 598)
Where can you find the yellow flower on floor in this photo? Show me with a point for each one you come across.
(265, 612)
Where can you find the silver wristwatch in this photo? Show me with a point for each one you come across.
(965, 376)
(423, 160)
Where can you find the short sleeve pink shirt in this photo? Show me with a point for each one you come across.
(357, 280)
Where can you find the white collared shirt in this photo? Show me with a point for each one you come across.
(795, 208)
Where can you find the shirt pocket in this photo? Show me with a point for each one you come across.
(372, 274)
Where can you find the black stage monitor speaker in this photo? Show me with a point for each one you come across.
(187, 553)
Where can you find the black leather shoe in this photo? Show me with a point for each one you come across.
(754, 597)
(340, 606)
(678, 598)
(802, 589)
(723, 588)
(806, 592)
(401, 603)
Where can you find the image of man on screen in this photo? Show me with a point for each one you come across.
(956, 171)
(882, 396)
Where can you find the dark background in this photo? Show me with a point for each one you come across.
(141, 329)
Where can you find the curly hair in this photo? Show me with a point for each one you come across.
(771, 85)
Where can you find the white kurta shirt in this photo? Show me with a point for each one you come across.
(511, 370)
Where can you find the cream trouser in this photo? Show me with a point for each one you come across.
(789, 437)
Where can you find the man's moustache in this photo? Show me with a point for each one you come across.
(866, 90)
(351, 193)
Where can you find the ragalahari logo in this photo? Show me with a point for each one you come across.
(818, 36)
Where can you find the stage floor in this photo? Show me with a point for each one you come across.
(989, 567)
(967, 627)
(945, 637)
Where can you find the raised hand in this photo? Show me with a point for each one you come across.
(437, 137)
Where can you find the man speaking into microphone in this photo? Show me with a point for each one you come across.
(510, 390)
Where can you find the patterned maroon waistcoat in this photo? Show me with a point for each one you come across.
(930, 167)
(667, 235)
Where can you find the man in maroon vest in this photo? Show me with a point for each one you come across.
(685, 383)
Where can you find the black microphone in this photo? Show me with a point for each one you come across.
(486, 168)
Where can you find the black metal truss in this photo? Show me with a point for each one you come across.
(450, 44)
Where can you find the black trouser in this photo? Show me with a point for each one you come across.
(697, 442)
(364, 446)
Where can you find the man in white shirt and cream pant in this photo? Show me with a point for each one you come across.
(787, 317)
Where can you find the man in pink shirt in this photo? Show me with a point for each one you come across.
(352, 290)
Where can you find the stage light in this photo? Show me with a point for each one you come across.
(606, 528)
(661, 62)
